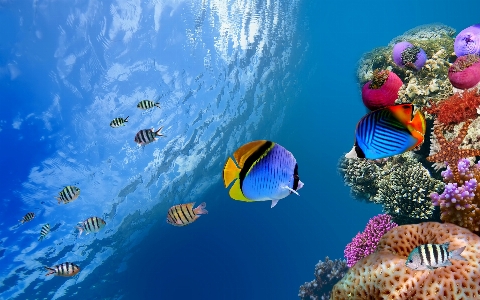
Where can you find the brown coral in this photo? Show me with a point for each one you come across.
(383, 274)
(457, 108)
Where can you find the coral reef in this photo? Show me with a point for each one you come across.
(428, 84)
(468, 41)
(457, 108)
(365, 243)
(464, 73)
(460, 201)
(406, 55)
(361, 176)
(384, 275)
(450, 152)
(382, 90)
(327, 274)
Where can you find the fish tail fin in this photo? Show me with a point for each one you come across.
(80, 230)
(230, 172)
(126, 119)
(455, 254)
(157, 104)
(200, 209)
(157, 133)
(50, 271)
(291, 190)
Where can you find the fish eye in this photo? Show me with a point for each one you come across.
(410, 260)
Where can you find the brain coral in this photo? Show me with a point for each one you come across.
(383, 274)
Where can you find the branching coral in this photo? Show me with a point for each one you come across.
(327, 274)
(361, 176)
(404, 187)
(401, 184)
(460, 202)
(458, 108)
(384, 275)
(365, 243)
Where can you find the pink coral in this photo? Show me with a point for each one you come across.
(465, 72)
(382, 90)
(365, 243)
(384, 275)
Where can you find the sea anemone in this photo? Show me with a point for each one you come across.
(407, 55)
(468, 41)
(382, 90)
(464, 73)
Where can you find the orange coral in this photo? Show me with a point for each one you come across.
(457, 108)
(383, 274)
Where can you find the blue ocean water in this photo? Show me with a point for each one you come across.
(225, 73)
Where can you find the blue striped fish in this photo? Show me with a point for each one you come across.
(432, 256)
(44, 231)
(146, 136)
(388, 131)
(262, 171)
(147, 104)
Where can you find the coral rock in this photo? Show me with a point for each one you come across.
(382, 90)
(383, 274)
(468, 41)
(465, 71)
(326, 275)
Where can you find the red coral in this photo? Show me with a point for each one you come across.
(457, 108)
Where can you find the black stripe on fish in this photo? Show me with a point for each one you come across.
(190, 212)
(250, 161)
(428, 257)
(179, 216)
(435, 255)
(172, 216)
(187, 218)
(296, 178)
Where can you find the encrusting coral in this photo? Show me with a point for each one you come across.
(384, 275)
(460, 201)
(327, 274)
(365, 243)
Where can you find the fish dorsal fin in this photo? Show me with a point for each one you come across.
(244, 152)
(236, 193)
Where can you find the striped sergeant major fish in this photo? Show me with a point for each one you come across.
(147, 104)
(432, 256)
(28, 217)
(146, 136)
(66, 269)
(44, 231)
(184, 214)
(92, 224)
(118, 122)
(68, 194)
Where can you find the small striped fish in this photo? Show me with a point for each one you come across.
(184, 214)
(68, 194)
(432, 256)
(147, 104)
(44, 231)
(146, 136)
(118, 122)
(92, 224)
(28, 217)
(67, 269)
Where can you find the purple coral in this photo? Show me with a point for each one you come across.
(468, 41)
(404, 54)
(457, 195)
(365, 243)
